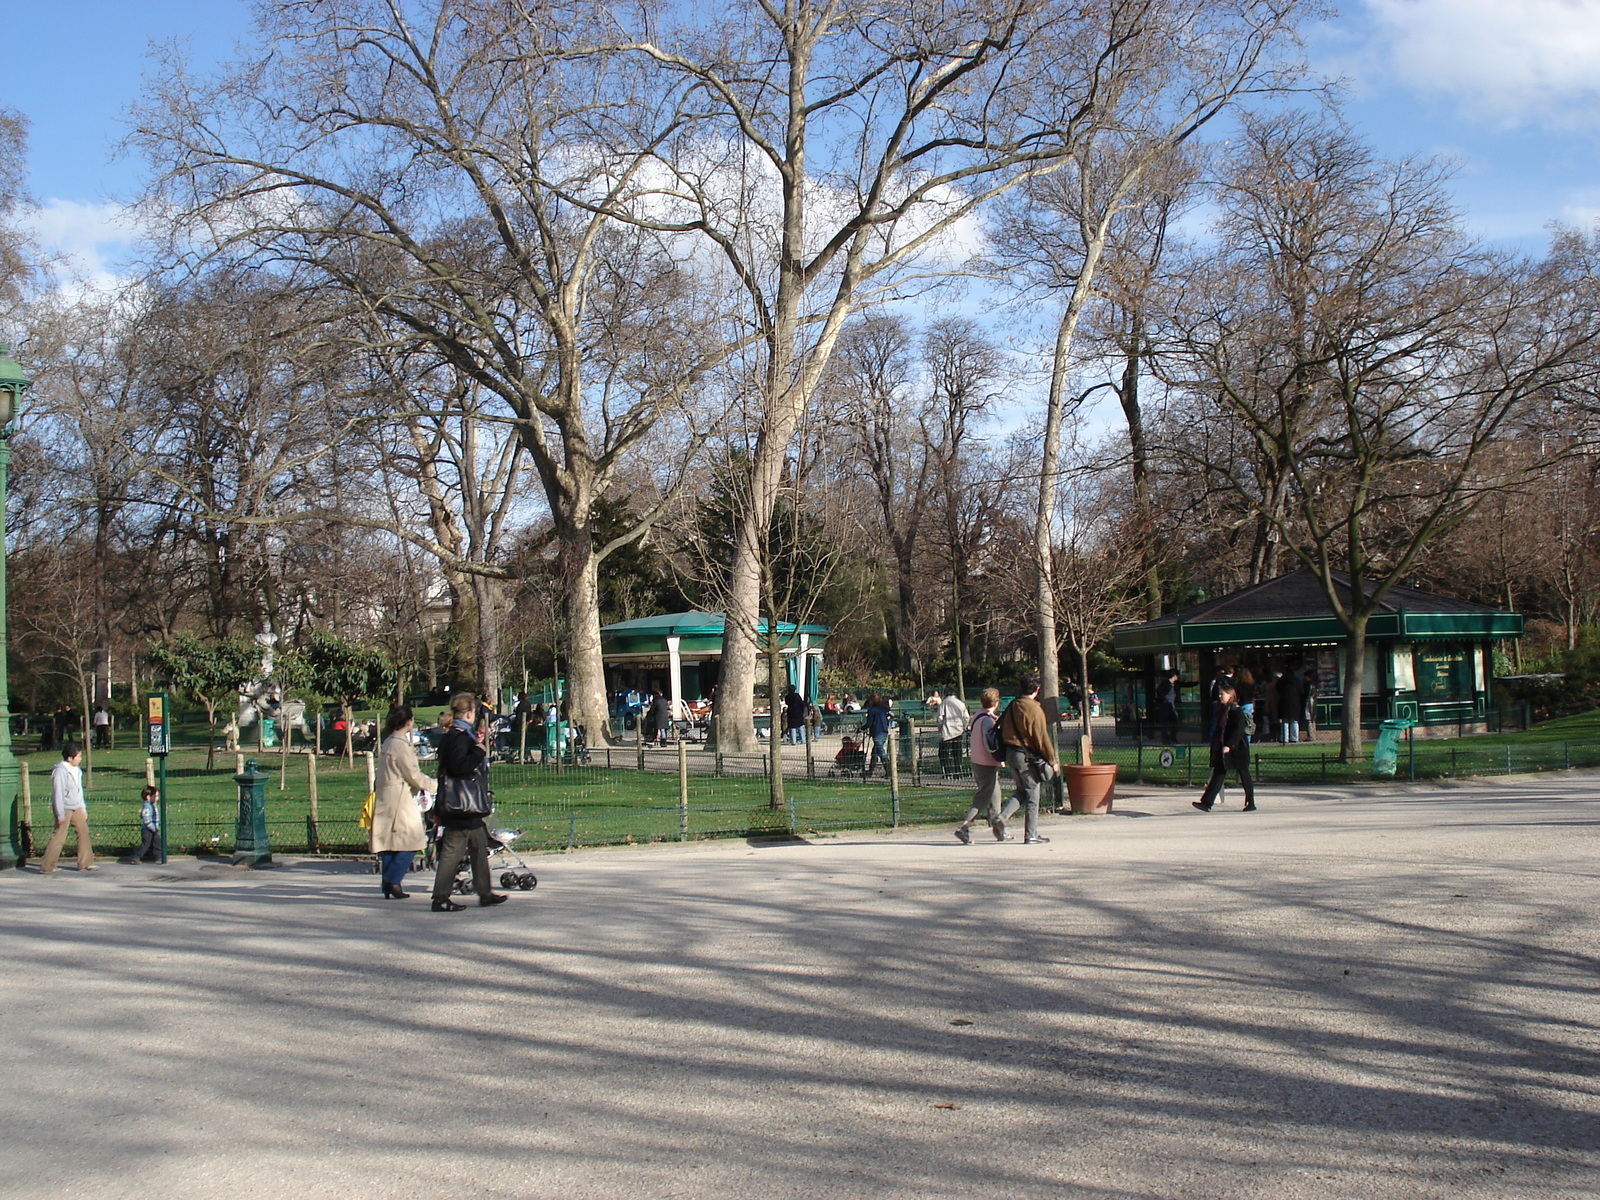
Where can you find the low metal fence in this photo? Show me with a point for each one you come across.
(621, 796)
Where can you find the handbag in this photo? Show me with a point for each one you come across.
(468, 796)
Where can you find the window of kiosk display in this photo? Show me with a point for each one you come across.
(1443, 673)
(1326, 665)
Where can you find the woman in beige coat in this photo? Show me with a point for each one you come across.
(397, 832)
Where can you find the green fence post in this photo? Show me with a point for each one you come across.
(1138, 765)
(1411, 753)
(1452, 761)
(1324, 766)
(1508, 758)
(1566, 754)
(1188, 766)
(572, 830)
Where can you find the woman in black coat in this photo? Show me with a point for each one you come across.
(1230, 751)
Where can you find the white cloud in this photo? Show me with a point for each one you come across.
(1511, 61)
(86, 241)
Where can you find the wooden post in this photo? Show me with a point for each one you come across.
(683, 791)
(238, 760)
(894, 777)
(372, 770)
(283, 755)
(311, 784)
(149, 772)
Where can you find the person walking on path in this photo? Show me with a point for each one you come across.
(878, 731)
(953, 727)
(149, 826)
(1230, 751)
(985, 771)
(462, 805)
(1031, 755)
(397, 832)
(66, 799)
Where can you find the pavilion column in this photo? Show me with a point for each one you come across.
(675, 674)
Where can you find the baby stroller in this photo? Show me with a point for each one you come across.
(504, 858)
(851, 759)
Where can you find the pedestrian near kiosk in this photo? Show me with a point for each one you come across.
(1031, 755)
(66, 800)
(985, 771)
(1230, 751)
(1291, 704)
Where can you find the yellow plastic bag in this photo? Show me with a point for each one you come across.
(367, 808)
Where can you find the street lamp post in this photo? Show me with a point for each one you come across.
(13, 383)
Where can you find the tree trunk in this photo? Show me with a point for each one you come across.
(486, 615)
(736, 732)
(1139, 457)
(1355, 655)
(586, 676)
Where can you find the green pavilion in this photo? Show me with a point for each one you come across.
(1429, 658)
(681, 654)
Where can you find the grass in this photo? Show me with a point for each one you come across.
(557, 809)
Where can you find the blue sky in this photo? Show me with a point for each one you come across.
(1508, 88)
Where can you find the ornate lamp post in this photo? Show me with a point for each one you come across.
(13, 383)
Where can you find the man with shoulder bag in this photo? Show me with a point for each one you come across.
(463, 802)
(1031, 755)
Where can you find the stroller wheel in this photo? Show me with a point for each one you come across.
(461, 887)
(508, 880)
(526, 881)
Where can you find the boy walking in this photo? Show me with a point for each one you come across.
(66, 799)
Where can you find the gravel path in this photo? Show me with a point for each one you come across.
(1348, 994)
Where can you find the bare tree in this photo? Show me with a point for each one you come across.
(1352, 332)
(851, 143)
(1172, 67)
(450, 175)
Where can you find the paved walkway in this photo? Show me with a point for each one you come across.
(1348, 994)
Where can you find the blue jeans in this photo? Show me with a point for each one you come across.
(394, 864)
(1288, 731)
(880, 754)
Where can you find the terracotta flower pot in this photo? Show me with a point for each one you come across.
(1090, 787)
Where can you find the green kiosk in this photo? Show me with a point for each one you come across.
(1429, 658)
(681, 654)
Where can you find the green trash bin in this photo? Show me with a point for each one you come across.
(1386, 755)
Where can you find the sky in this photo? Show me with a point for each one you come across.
(1509, 90)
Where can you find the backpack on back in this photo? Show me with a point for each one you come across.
(991, 736)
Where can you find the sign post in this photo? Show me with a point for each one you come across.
(158, 743)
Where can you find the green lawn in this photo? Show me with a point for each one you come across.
(596, 805)
(554, 808)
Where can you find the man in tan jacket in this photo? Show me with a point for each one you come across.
(1031, 755)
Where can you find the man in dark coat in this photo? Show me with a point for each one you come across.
(463, 770)
(1291, 704)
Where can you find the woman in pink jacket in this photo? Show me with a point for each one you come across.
(985, 771)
